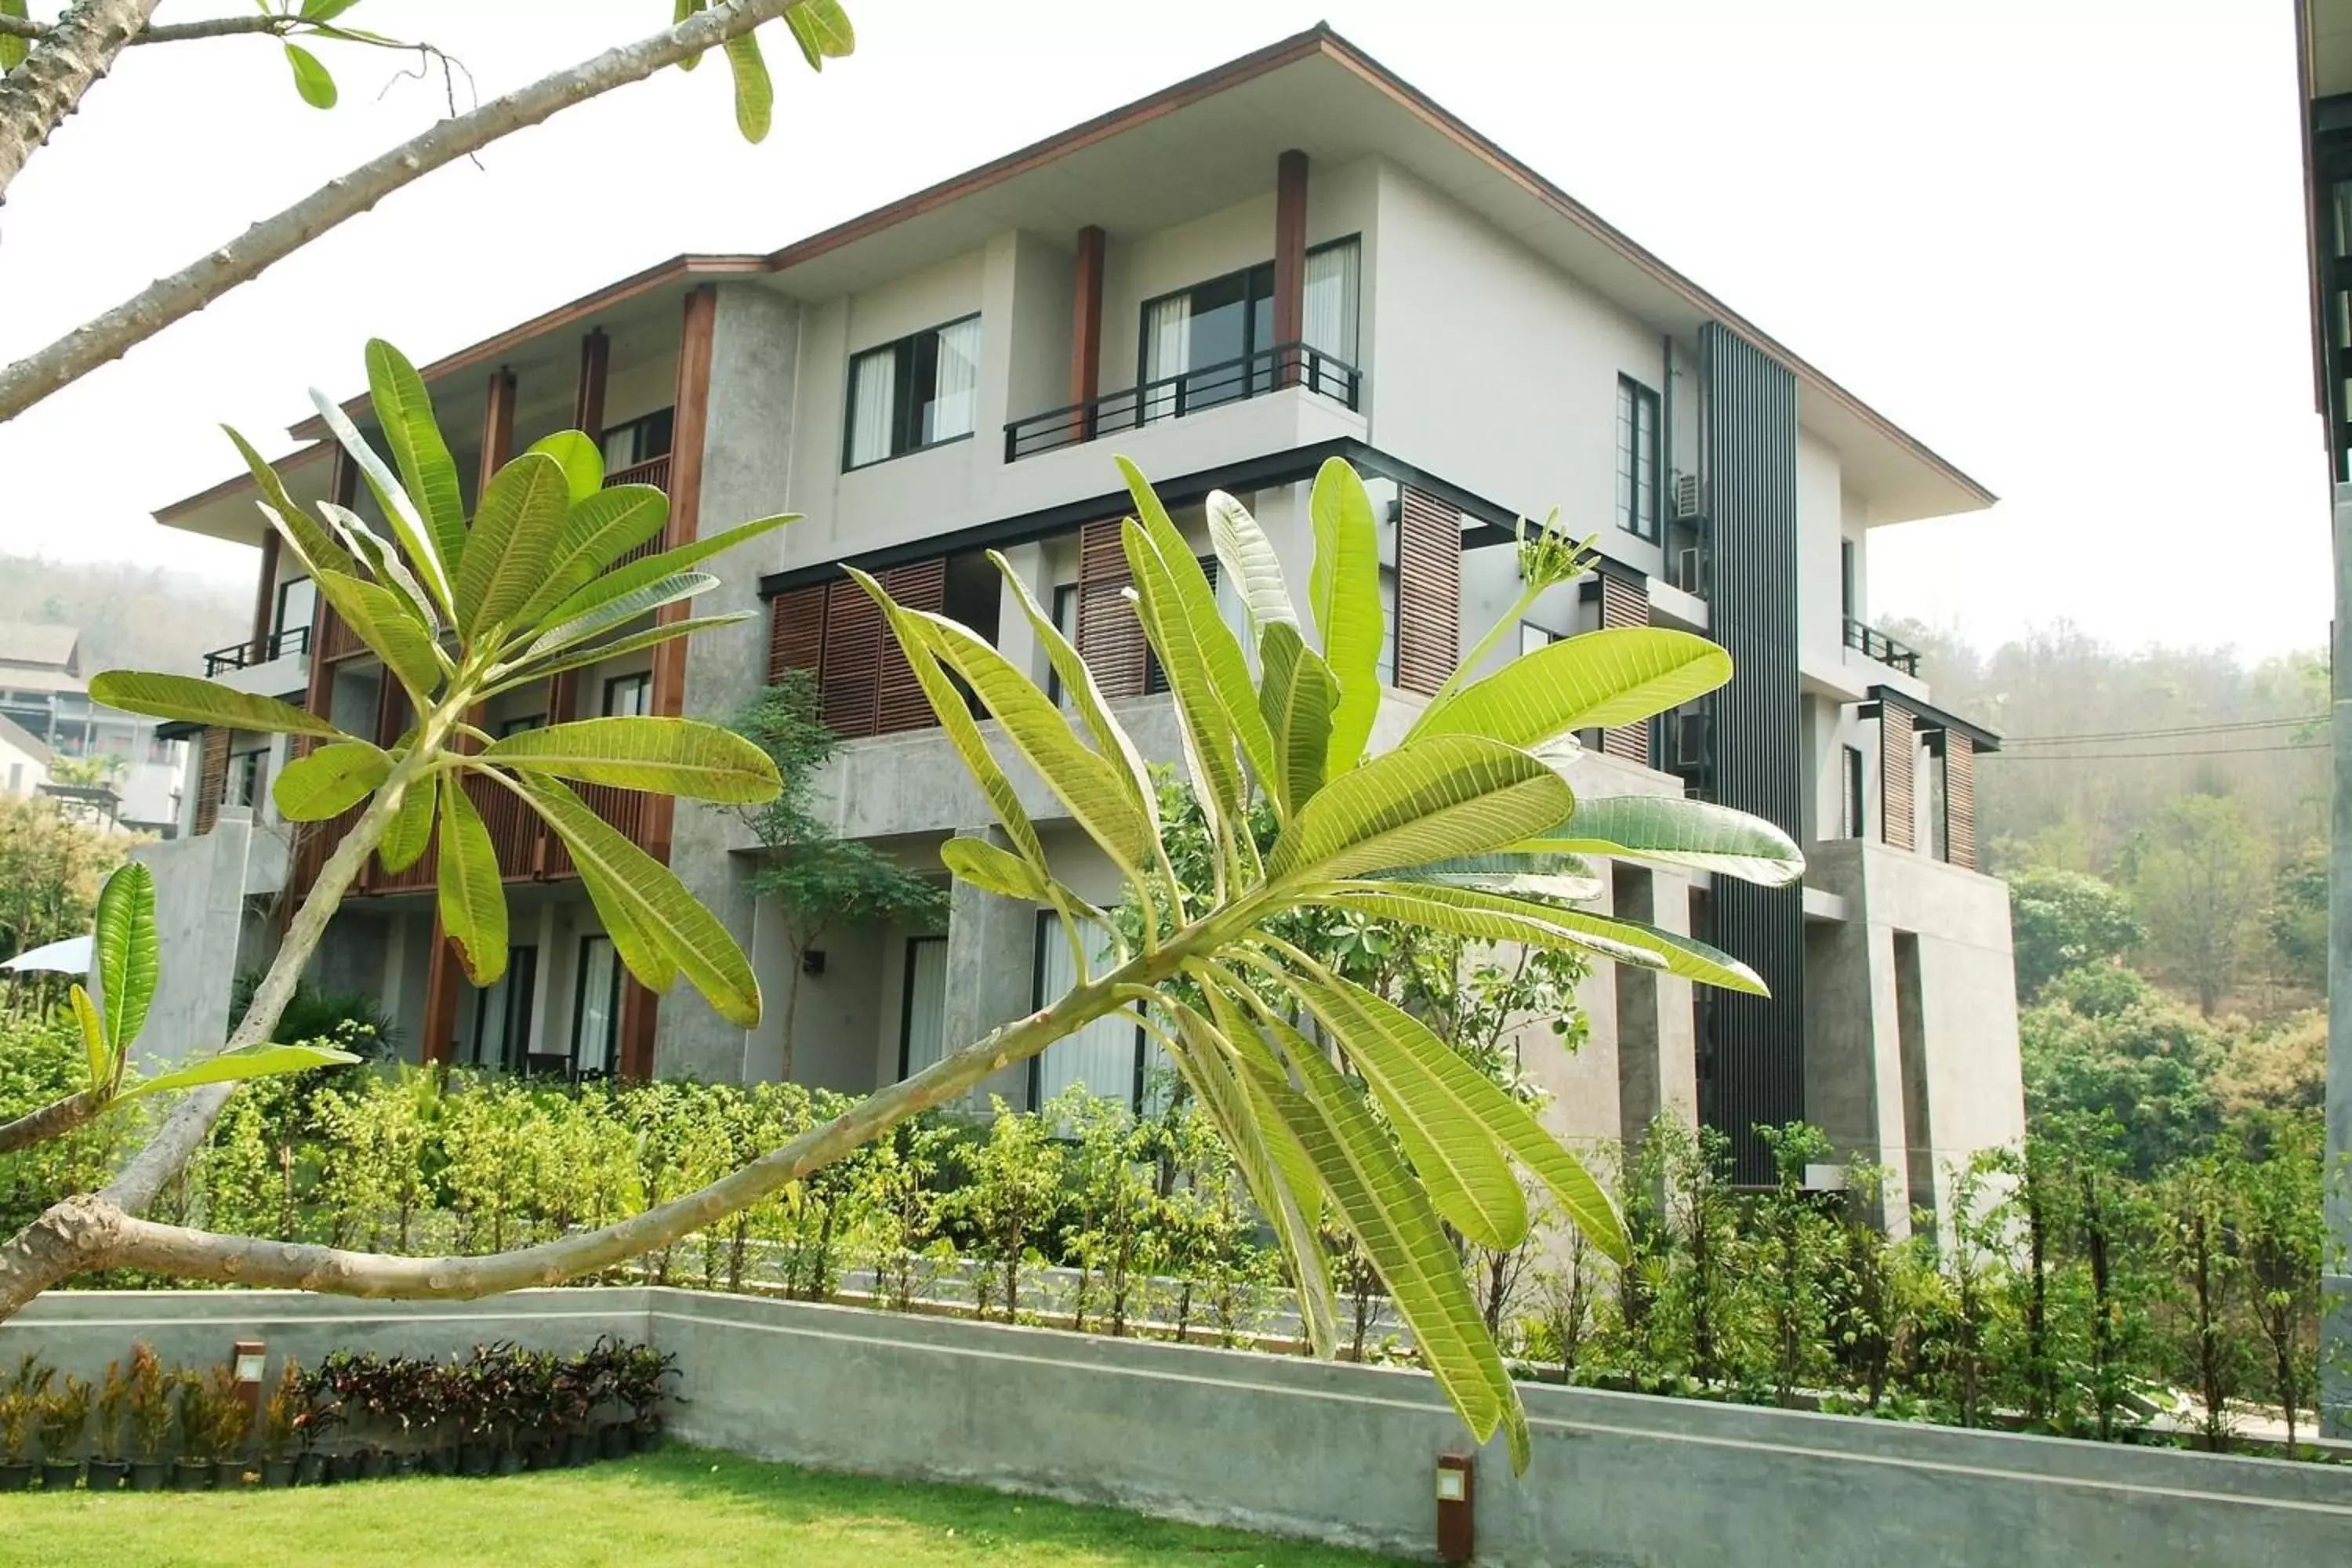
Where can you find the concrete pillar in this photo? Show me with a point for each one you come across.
(1657, 1071)
(744, 470)
(1582, 1083)
(1289, 258)
(992, 972)
(2335, 1267)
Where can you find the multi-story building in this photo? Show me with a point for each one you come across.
(1294, 257)
(44, 695)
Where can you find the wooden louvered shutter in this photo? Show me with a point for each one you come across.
(1110, 637)
(1429, 593)
(1625, 602)
(901, 704)
(1959, 800)
(796, 632)
(212, 778)
(1897, 746)
(849, 680)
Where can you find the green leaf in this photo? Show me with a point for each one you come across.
(315, 11)
(204, 702)
(1595, 681)
(330, 780)
(652, 569)
(245, 1062)
(616, 613)
(311, 80)
(1082, 780)
(516, 529)
(404, 411)
(1187, 612)
(127, 954)
(1393, 1220)
(529, 672)
(313, 545)
(600, 530)
(13, 50)
(974, 859)
(472, 897)
(1493, 918)
(385, 623)
(669, 756)
(1667, 830)
(383, 560)
(407, 837)
(1344, 592)
(682, 11)
(1207, 734)
(1454, 794)
(822, 29)
(646, 958)
(1520, 872)
(1249, 560)
(582, 462)
(755, 95)
(1297, 695)
(408, 525)
(653, 901)
(95, 1049)
(1427, 1106)
(1079, 684)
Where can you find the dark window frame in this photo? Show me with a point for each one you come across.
(518, 1041)
(1036, 1074)
(520, 724)
(1248, 274)
(1064, 596)
(904, 407)
(1631, 513)
(277, 626)
(643, 679)
(579, 1006)
(1854, 798)
(907, 1004)
(663, 421)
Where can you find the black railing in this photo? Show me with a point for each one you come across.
(1173, 396)
(245, 655)
(1871, 643)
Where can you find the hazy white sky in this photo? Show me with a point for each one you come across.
(2059, 240)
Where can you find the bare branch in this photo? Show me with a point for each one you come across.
(109, 336)
(47, 84)
(86, 1233)
(167, 32)
(54, 1119)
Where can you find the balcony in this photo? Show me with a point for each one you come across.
(292, 643)
(1171, 397)
(527, 850)
(1871, 643)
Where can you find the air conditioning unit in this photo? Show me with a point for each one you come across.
(1686, 570)
(1686, 497)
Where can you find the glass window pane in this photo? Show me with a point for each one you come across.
(955, 398)
(1329, 321)
(1103, 1055)
(297, 604)
(596, 1021)
(925, 1040)
(873, 384)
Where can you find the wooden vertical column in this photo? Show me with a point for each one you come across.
(1625, 602)
(264, 598)
(444, 971)
(1290, 259)
(1959, 800)
(588, 398)
(1085, 329)
(640, 1008)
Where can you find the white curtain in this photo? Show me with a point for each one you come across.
(1102, 1054)
(955, 404)
(1330, 324)
(927, 1002)
(592, 1032)
(1167, 351)
(873, 383)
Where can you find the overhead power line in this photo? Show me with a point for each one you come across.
(2126, 756)
(2216, 728)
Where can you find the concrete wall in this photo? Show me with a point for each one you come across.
(1330, 1451)
(205, 929)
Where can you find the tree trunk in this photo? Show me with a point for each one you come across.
(49, 84)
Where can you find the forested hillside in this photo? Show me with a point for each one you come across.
(131, 615)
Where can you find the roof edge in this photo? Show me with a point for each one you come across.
(233, 483)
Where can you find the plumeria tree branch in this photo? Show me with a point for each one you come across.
(48, 83)
(110, 335)
(168, 32)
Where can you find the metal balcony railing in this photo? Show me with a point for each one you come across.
(247, 655)
(1871, 643)
(1173, 396)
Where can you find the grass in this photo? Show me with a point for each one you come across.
(669, 1510)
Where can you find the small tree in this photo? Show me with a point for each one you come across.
(2273, 1174)
(2203, 876)
(818, 881)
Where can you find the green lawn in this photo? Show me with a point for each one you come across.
(681, 1508)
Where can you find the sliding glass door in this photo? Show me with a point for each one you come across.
(1201, 340)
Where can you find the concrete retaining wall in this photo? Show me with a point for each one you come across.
(1343, 1453)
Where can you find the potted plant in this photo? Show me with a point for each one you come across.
(193, 1470)
(320, 1414)
(107, 1469)
(575, 1408)
(231, 1426)
(472, 1392)
(607, 1360)
(281, 1423)
(17, 1409)
(536, 1409)
(358, 1385)
(643, 1372)
(151, 1418)
(64, 1412)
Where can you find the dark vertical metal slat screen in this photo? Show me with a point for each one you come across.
(1898, 752)
(1960, 800)
(1750, 425)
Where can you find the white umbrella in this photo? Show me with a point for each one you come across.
(70, 956)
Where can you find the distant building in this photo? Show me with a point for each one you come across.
(45, 698)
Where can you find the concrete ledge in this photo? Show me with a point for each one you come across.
(1341, 1453)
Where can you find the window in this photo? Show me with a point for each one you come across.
(1637, 458)
(1852, 819)
(629, 696)
(1065, 621)
(923, 1008)
(1849, 598)
(518, 723)
(1108, 1055)
(916, 392)
(596, 1007)
(502, 1014)
(246, 770)
(1533, 638)
(1214, 343)
(641, 440)
(298, 602)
